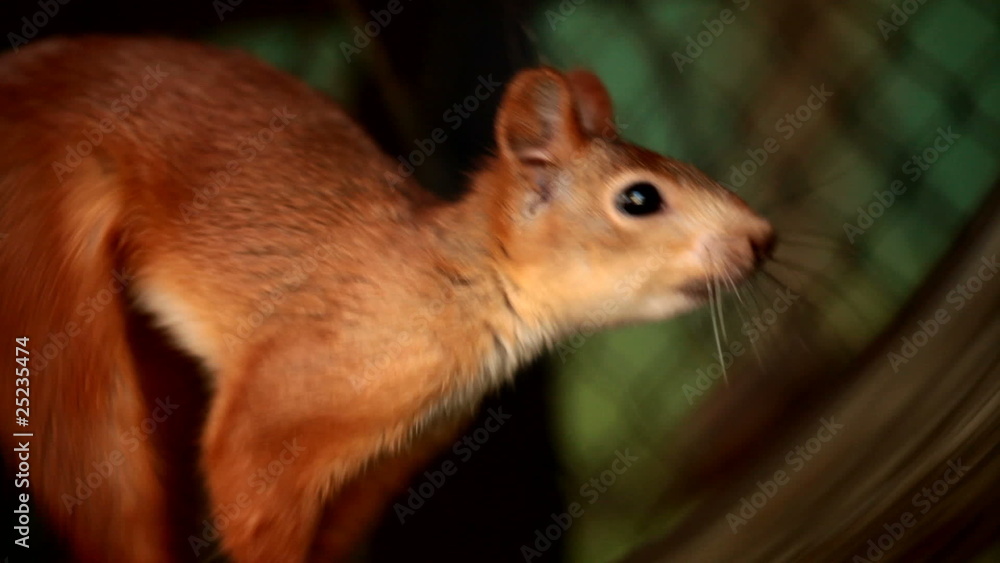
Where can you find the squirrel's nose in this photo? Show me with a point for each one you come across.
(762, 241)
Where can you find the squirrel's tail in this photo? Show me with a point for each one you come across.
(64, 287)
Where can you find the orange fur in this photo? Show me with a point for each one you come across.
(337, 308)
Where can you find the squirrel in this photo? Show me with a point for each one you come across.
(337, 308)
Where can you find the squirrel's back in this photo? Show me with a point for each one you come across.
(182, 180)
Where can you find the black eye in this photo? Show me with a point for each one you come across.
(641, 198)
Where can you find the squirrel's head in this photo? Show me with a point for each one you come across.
(591, 228)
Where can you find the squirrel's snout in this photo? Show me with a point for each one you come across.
(762, 243)
(737, 253)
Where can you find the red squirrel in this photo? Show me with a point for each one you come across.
(336, 307)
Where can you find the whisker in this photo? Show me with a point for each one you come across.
(810, 233)
(798, 269)
(805, 234)
(777, 281)
(739, 310)
(811, 239)
(799, 273)
(751, 286)
(832, 289)
(718, 307)
(764, 275)
(774, 279)
(816, 244)
(732, 285)
(763, 308)
(784, 286)
(715, 329)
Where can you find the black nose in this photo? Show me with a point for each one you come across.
(762, 244)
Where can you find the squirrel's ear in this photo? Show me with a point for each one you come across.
(593, 104)
(537, 125)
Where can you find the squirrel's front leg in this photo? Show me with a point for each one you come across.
(282, 437)
(351, 515)
(265, 490)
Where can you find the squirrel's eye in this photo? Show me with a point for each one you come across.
(641, 198)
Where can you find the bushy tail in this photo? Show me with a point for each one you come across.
(63, 287)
